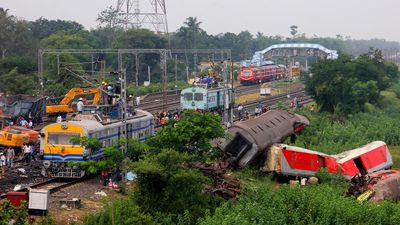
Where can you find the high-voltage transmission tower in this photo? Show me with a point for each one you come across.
(130, 15)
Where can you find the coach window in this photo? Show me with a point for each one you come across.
(198, 96)
(188, 96)
(60, 138)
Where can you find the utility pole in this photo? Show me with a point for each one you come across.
(148, 73)
(123, 117)
(58, 64)
(176, 71)
(232, 100)
(137, 70)
(92, 66)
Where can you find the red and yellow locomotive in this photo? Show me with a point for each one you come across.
(255, 75)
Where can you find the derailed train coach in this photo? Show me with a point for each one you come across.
(295, 161)
(252, 137)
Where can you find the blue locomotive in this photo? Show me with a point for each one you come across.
(205, 98)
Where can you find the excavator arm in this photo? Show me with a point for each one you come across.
(65, 104)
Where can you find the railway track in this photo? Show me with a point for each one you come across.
(53, 185)
(154, 102)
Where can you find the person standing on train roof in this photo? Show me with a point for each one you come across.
(103, 89)
(59, 119)
(80, 106)
(130, 104)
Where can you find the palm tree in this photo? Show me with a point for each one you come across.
(190, 31)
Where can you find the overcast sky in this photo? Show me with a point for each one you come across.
(360, 19)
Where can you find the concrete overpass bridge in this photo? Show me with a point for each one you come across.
(290, 53)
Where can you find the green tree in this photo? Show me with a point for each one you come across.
(42, 28)
(192, 133)
(124, 212)
(345, 85)
(293, 30)
(165, 186)
(108, 17)
(14, 82)
(57, 84)
(190, 32)
(14, 35)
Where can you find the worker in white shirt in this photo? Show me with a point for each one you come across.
(80, 106)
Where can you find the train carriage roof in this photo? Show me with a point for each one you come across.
(354, 153)
(90, 124)
(269, 128)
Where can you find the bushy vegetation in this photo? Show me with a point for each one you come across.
(124, 212)
(344, 85)
(192, 133)
(9, 213)
(332, 135)
(166, 186)
(155, 87)
(316, 204)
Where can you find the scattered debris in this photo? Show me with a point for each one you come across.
(74, 203)
(101, 193)
(131, 176)
(224, 185)
(21, 170)
(377, 186)
(17, 187)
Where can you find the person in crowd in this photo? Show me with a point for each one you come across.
(130, 104)
(312, 108)
(80, 106)
(30, 124)
(247, 115)
(27, 152)
(59, 119)
(257, 111)
(240, 110)
(103, 89)
(32, 153)
(10, 155)
(162, 120)
(23, 123)
(110, 94)
(2, 165)
(296, 102)
(138, 101)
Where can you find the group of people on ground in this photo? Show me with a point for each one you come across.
(167, 118)
(259, 109)
(6, 160)
(295, 102)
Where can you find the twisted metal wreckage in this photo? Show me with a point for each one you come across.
(257, 140)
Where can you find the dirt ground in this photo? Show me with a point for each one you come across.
(243, 99)
(90, 202)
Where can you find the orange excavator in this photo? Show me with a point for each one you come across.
(91, 95)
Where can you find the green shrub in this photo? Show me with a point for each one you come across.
(317, 204)
(325, 177)
(119, 212)
(165, 186)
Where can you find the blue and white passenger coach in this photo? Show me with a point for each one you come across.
(58, 150)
